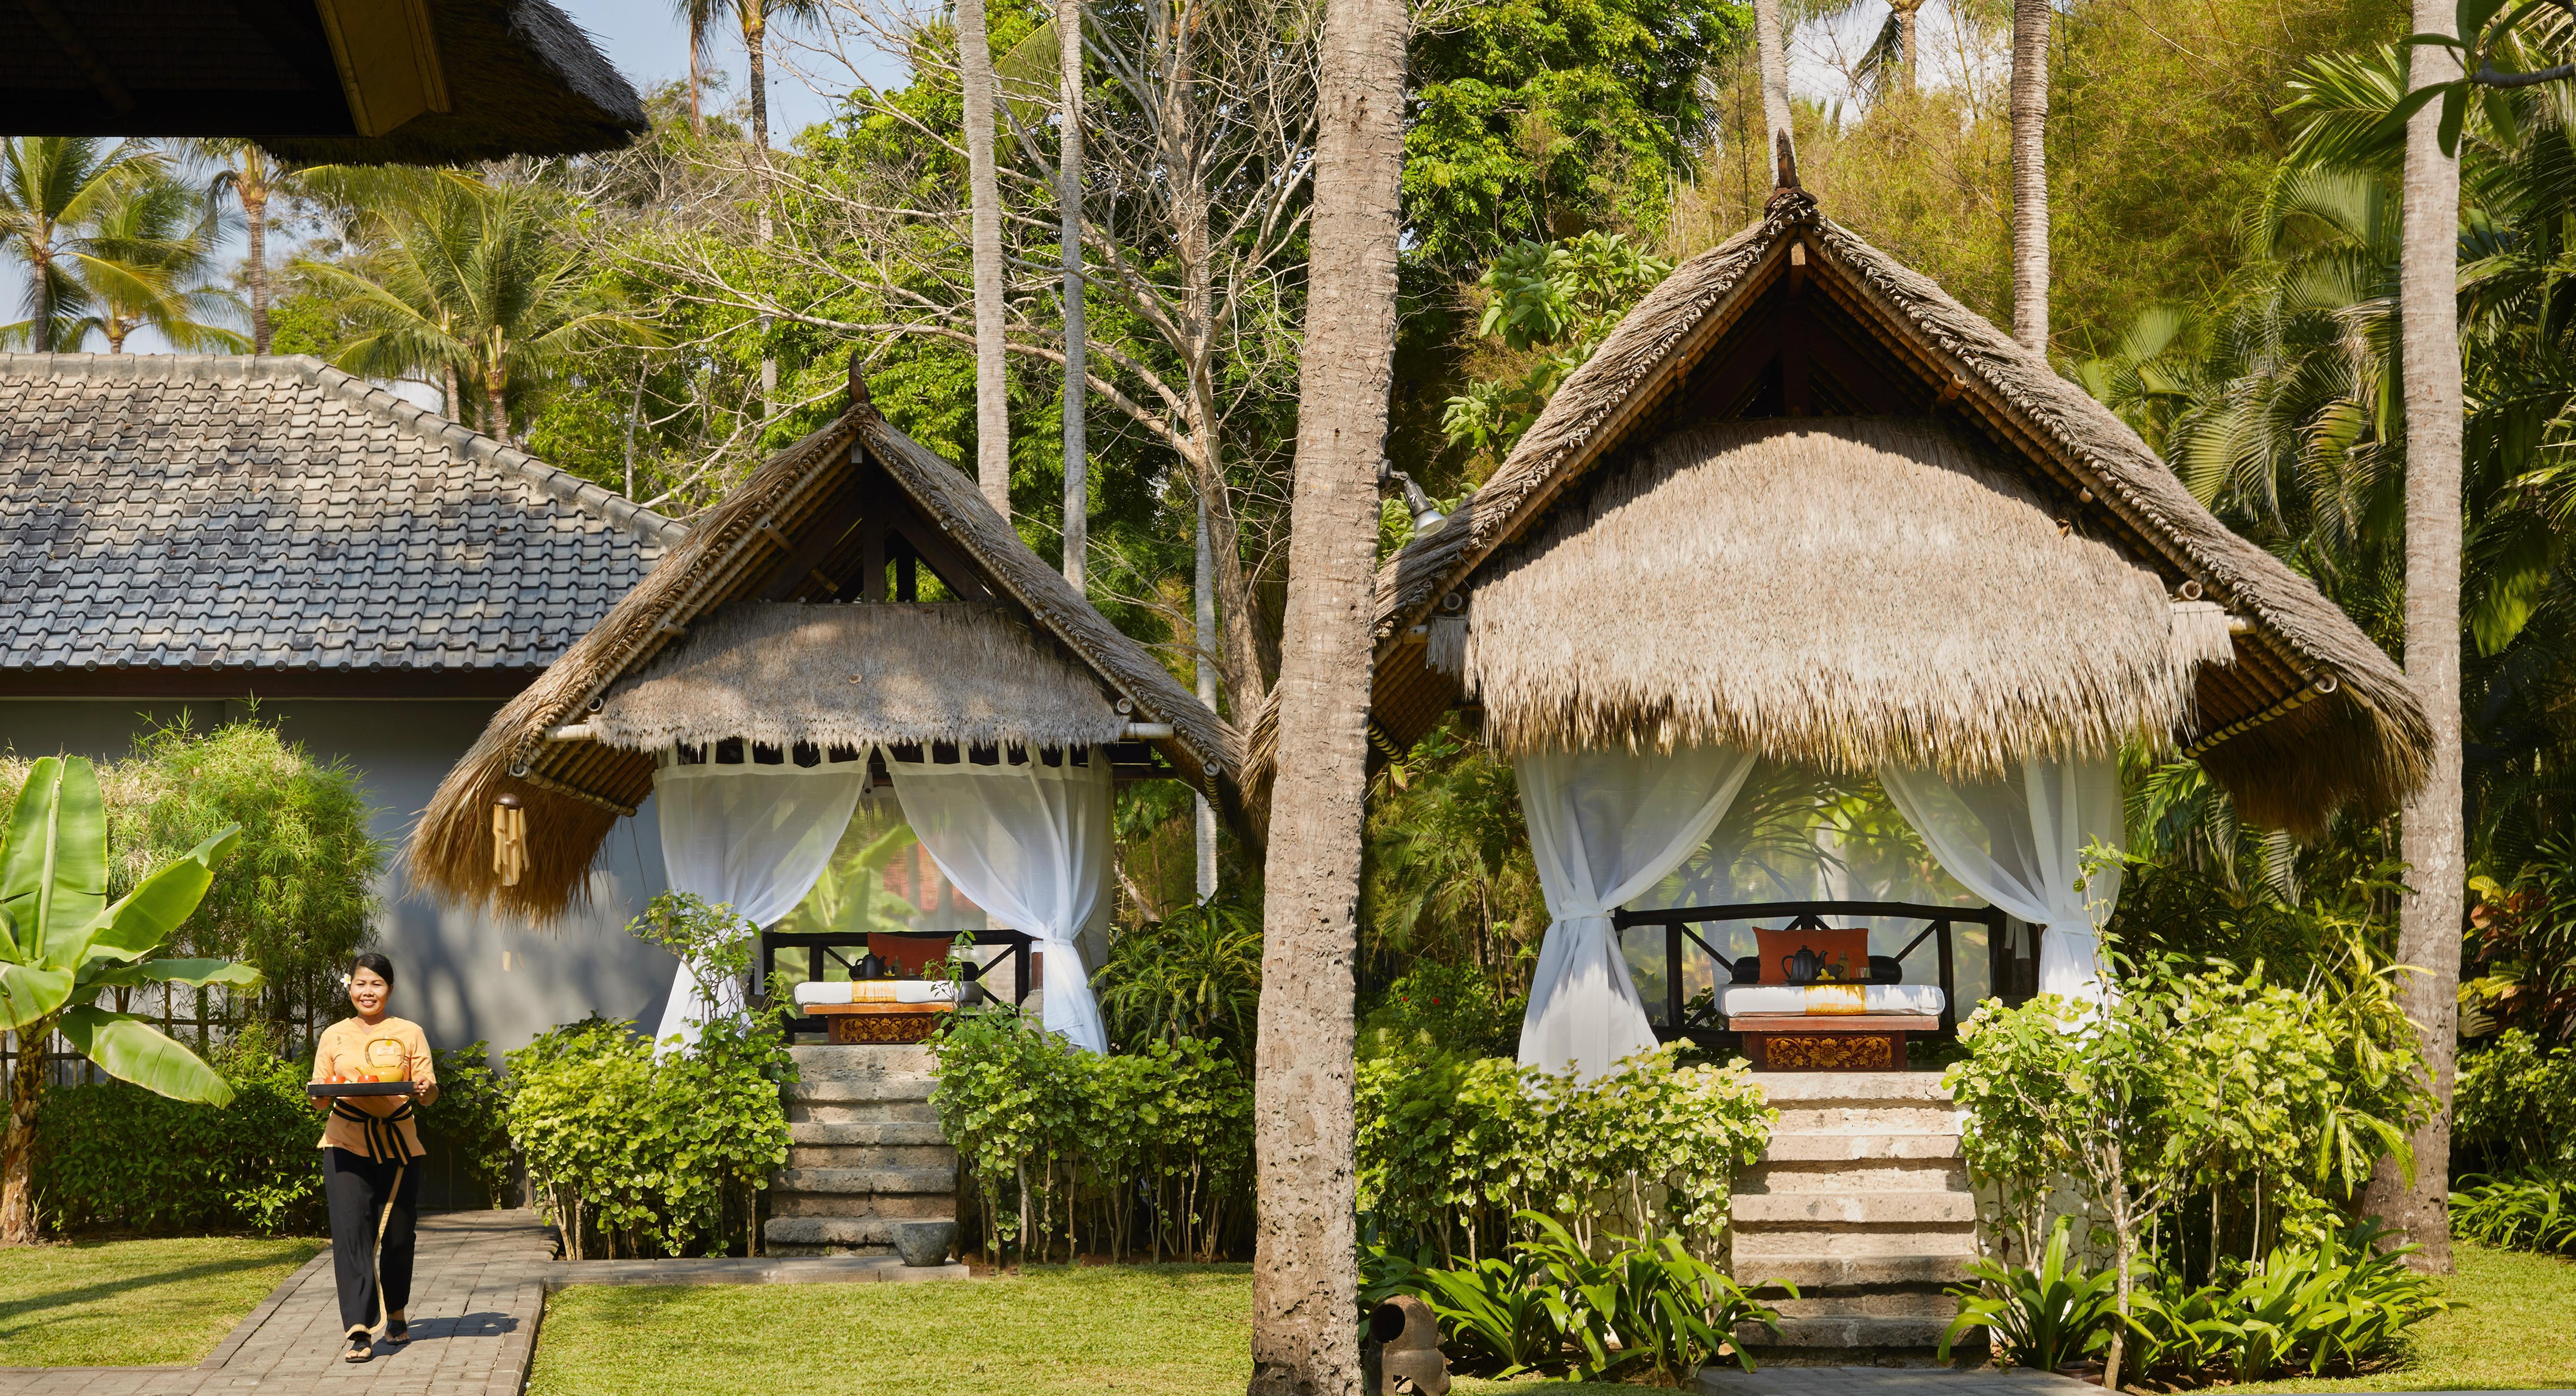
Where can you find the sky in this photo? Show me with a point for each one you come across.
(649, 46)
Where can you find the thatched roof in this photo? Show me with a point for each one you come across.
(818, 521)
(1961, 630)
(782, 674)
(2311, 717)
(342, 81)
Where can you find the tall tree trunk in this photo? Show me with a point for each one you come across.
(496, 409)
(42, 332)
(1077, 446)
(2429, 922)
(1204, 664)
(992, 407)
(1771, 53)
(755, 37)
(254, 202)
(2030, 173)
(1305, 1283)
(697, 76)
(1908, 28)
(18, 1153)
(455, 395)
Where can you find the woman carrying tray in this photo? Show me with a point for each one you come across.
(368, 1144)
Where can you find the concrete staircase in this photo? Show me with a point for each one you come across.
(865, 1153)
(1862, 1202)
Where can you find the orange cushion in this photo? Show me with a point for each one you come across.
(917, 954)
(1845, 954)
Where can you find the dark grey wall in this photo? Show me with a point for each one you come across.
(460, 975)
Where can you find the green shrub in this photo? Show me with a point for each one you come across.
(1444, 1009)
(467, 1129)
(2514, 1108)
(2043, 1317)
(1154, 1146)
(1449, 1149)
(1194, 974)
(2533, 1213)
(112, 1156)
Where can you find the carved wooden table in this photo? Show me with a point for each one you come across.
(879, 1022)
(1829, 1041)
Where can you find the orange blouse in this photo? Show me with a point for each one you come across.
(377, 1127)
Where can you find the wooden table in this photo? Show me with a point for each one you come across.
(879, 1022)
(1829, 1041)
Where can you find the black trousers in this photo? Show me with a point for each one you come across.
(358, 1191)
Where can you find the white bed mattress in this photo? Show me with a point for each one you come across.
(815, 991)
(1828, 998)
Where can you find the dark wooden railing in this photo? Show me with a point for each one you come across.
(847, 950)
(1704, 1026)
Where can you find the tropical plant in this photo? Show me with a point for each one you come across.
(53, 191)
(2341, 1303)
(471, 283)
(154, 227)
(2057, 1313)
(2524, 944)
(1196, 973)
(1500, 1307)
(63, 944)
(1548, 306)
(249, 175)
(2513, 1109)
(1647, 1302)
(2535, 1212)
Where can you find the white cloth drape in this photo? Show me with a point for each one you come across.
(753, 837)
(1606, 826)
(2020, 844)
(1030, 844)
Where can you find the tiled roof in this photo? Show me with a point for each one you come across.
(161, 511)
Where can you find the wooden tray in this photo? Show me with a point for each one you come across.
(361, 1088)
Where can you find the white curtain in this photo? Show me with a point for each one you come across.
(1606, 826)
(1030, 844)
(752, 837)
(2019, 843)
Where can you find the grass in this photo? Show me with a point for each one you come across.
(2515, 1326)
(135, 1303)
(1168, 1330)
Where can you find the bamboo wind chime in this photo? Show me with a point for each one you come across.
(509, 840)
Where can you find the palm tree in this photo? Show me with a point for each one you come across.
(252, 177)
(1771, 56)
(699, 15)
(1304, 1276)
(2030, 173)
(159, 229)
(1077, 449)
(469, 282)
(52, 189)
(992, 384)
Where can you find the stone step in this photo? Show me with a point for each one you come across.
(861, 1112)
(864, 1059)
(941, 1179)
(858, 1090)
(1866, 1209)
(1756, 1246)
(842, 1134)
(1842, 1118)
(1881, 1303)
(1811, 1147)
(1825, 1274)
(1852, 1176)
(813, 1156)
(1785, 1088)
(845, 1233)
(1845, 1331)
(889, 1205)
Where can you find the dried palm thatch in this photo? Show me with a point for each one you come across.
(781, 674)
(1747, 584)
(2314, 718)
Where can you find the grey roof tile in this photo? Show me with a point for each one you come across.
(196, 510)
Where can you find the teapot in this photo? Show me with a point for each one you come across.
(1802, 967)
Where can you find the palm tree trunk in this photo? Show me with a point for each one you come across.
(697, 76)
(755, 29)
(18, 1154)
(42, 333)
(1771, 50)
(254, 202)
(496, 410)
(2030, 173)
(1077, 448)
(2431, 838)
(1305, 1285)
(1907, 30)
(455, 395)
(992, 408)
(1204, 666)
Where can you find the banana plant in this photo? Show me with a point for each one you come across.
(63, 945)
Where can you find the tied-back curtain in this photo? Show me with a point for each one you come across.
(753, 837)
(1606, 826)
(1029, 843)
(2019, 843)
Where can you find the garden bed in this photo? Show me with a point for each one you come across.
(151, 1303)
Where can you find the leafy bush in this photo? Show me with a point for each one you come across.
(2524, 950)
(1153, 1144)
(467, 1129)
(645, 1155)
(2044, 1317)
(2514, 1108)
(115, 1156)
(1450, 1149)
(1443, 1009)
(1194, 974)
(2534, 1213)
(2341, 1305)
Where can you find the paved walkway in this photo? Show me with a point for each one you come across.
(479, 1285)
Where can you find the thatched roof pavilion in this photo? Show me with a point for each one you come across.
(729, 639)
(341, 81)
(1804, 503)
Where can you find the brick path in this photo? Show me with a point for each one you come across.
(479, 1284)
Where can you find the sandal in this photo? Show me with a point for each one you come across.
(362, 1346)
(397, 1329)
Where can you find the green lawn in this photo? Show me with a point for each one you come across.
(1143, 1331)
(134, 1303)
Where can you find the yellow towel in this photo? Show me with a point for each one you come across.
(1824, 999)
